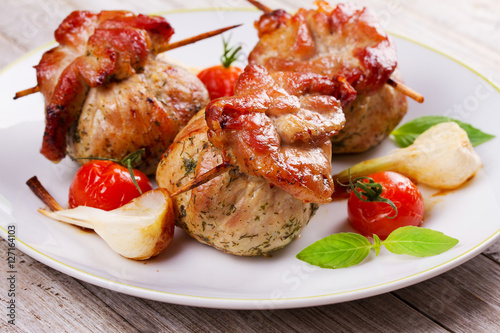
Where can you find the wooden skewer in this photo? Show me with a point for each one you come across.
(225, 166)
(394, 83)
(405, 90)
(170, 46)
(261, 6)
(203, 178)
(27, 92)
(194, 39)
(40, 191)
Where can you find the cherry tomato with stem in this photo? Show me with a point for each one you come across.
(108, 184)
(382, 202)
(219, 80)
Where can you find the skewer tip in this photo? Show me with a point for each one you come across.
(405, 90)
(260, 6)
(197, 38)
(27, 92)
(203, 178)
(37, 188)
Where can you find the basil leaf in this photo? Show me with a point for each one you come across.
(337, 251)
(418, 242)
(407, 133)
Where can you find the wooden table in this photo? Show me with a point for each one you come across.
(466, 298)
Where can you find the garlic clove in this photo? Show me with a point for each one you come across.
(139, 230)
(442, 157)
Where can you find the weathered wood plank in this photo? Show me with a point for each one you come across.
(49, 301)
(29, 24)
(362, 314)
(8, 51)
(493, 252)
(356, 316)
(135, 310)
(463, 299)
(464, 39)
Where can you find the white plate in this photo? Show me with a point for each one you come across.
(193, 274)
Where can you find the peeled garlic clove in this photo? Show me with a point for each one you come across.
(138, 230)
(441, 157)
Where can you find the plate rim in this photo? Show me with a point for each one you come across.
(251, 303)
(254, 303)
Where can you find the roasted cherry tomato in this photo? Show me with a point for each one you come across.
(381, 218)
(219, 80)
(105, 185)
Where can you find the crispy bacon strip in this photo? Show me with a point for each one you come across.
(344, 40)
(271, 21)
(93, 48)
(278, 127)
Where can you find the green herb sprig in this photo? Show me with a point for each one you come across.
(348, 249)
(407, 133)
(230, 54)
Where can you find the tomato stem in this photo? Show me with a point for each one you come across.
(368, 191)
(128, 161)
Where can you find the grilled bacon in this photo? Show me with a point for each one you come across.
(277, 126)
(108, 61)
(344, 40)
